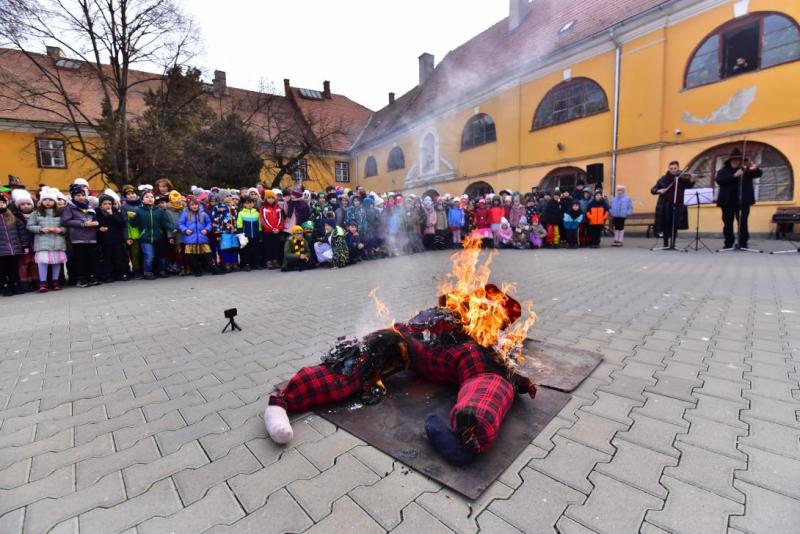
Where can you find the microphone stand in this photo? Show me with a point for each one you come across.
(673, 235)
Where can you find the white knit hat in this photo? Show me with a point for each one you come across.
(50, 193)
(113, 194)
(21, 196)
(81, 181)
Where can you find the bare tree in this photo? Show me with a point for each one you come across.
(105, 41)
(285, 135)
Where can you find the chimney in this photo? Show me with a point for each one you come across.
(326, 89)
(220, 83)
(425, 67)
(391, 98)
(517, 11)
(287, 88)
(55, 52)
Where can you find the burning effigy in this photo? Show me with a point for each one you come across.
(472, 338)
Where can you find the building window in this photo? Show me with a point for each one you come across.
(563, 179)
(776, 183)
(427, 154)
(755, 42)
(50, 153)
(479, 130)
(300, 170)
(478, 189)
(371, 167)
(570, 100)
(342, 171)
(397, 160)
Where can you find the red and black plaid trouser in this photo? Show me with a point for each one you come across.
(483, 401)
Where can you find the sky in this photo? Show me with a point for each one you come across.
(366, 48)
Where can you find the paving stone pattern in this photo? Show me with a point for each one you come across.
(123, 408)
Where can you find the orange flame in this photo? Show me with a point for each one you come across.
(381, 310)
(488, 315)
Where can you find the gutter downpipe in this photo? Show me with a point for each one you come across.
(615, 139)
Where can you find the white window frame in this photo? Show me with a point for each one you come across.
(301, 170)
(342, 172)
(51, 153)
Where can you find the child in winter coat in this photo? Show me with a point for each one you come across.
(572, 222)
(621, 209)
(440, 239)
(308, 235)
(522, 234)
(332, 247)
(81, 221)
(455, 220)
(272, 223)
(482, 224)
(496, 214)
(249, 223)
(12, 245)
(195, 225)
(516, 212)
(112, 236)
(538, 232)
(224, 223)
(551, 218)
(131, 201)
(505, 235)
(26, 264)
(296, 252)
(596, 214)
(153, 224)
(355, 245)
(49, 244)
(174, 209)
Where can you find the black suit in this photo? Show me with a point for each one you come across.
(732, 205)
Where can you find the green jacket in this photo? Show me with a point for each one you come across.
(153, 223)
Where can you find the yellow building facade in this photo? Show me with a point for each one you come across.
(660, 116)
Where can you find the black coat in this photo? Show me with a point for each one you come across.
(117, 226)
(728, 184)
(552, 213)
(665, 200)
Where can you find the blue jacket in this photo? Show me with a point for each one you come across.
(455, 218)
(196, 223)
(570, 223)
(621, 206)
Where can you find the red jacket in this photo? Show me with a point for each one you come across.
(481, 218)
(496, 214)
(272, 218)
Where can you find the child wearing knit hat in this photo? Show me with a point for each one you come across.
(49, 243)
(12, 236)
(296, 252)
(26, 264)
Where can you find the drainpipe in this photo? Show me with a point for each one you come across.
(615, 140)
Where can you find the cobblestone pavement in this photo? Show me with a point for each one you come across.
(123, 409)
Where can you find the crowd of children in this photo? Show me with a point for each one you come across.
(155, 231)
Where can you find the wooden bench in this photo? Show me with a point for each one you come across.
(784, 218)
(647, 220)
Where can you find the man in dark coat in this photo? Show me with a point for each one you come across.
(670, 205)
(736, 195)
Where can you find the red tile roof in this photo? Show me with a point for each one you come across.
(335, 113)
(498, 52)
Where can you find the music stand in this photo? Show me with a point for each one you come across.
(698, 197)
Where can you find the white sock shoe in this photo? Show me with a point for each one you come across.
(278, 426)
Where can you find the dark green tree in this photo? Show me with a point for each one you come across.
(225, 154)
(160, 142)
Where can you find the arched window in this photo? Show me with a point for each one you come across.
(758, 41)
(370, 167)
(563, 178)
(433, 193)
(397, 159)
(777, 182)
(568, 101)
(478, 189)
(479, 130)
(427, 154)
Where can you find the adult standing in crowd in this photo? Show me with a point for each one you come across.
(671, 212)
(736, 195)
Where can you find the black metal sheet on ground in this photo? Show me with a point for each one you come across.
(396, 426)
(553, 366)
